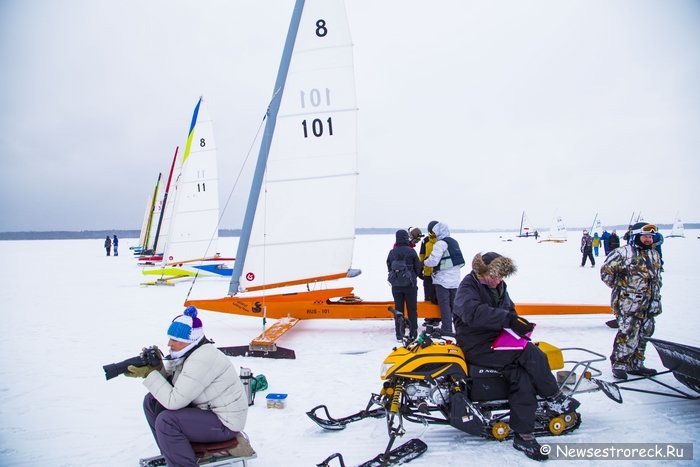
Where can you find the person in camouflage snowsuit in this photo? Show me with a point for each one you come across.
(633, 272)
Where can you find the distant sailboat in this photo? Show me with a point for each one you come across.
(525, 227)
(557, 231)
(146, 236)
(191, 246)
(678, 229)
(161, 221)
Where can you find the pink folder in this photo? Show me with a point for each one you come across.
(509, 340)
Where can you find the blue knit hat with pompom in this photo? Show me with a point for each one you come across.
(186, 327)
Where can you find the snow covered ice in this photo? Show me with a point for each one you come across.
(67, 310)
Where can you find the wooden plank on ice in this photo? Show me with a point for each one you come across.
(268, 339)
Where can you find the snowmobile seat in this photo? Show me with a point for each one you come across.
(555, 357)
(487, 383)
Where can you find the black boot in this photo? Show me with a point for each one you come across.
(642, 371)
(612, 324)
(528, 444)
(619, 373)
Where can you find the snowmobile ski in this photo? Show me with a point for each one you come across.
(400, 455)
(612, 390)
(397, 456)
(335, 424)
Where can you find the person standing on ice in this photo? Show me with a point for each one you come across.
(404, 289)
(197, 395)
(115, 245)
(605, 238)
(446, 260)
(108, 244)
(426, 247)
(596, 243)
(587, 249)
(482, 310)
(633, 272)
(614, 242)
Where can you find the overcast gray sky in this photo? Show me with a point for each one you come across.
(470, 111)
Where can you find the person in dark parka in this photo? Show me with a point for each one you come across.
(407, 294)
(482, 310)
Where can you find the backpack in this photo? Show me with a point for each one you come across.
(400, 276)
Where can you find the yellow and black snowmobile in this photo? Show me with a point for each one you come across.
(428, 381)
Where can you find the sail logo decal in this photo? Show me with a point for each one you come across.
(250, 277)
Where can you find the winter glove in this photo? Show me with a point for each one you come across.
(138, 371)
(520, 326)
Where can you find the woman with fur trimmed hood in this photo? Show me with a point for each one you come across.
(481, 311)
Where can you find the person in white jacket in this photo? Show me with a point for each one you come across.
(446, 259)
(196, 396)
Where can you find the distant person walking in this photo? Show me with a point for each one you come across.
(633, 272)
(587, 249)
(605, 238)
(403, 266)
(446, 259)
(596, 243)
(108, 244)
(614, 242)
(115, 245)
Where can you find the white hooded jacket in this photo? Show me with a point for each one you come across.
(450, 277)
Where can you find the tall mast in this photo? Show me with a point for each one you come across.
(522, 218)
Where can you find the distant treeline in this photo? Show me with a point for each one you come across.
(88, 234)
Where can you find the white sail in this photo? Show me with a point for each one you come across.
(597, 227)
(193, 222)
(678, 229)
(144, 223)
(155, 215)
(557, 231)
(304, 222)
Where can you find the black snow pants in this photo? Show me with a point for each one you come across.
(529, 375)
(587, 254)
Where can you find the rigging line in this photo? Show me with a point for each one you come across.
(230, 194)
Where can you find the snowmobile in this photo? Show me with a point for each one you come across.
(428, 381)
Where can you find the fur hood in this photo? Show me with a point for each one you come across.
(493, 264)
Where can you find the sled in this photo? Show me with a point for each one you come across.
(236, 451)
(683, 361)
(265, 345)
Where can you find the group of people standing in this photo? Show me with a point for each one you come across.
(590, 246)
(438, 265)
(112, 243)
(480, 308)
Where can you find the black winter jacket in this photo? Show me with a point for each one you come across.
(478, 316)
(403, 251)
